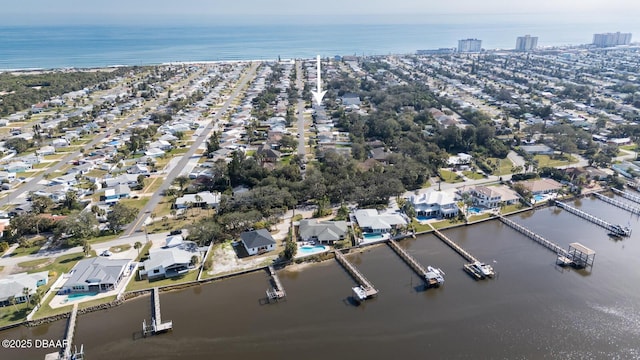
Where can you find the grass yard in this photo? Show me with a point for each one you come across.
(135, 203)
(630, 147)
(504, 166)
(547, 161)
(511, 208)
(473, 175)
(136, 284)
(120, 248)
(450, 177)
(479, 217)
(447, 223)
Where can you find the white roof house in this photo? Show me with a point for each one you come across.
(14, 285)
(435, 203)
(206, 198)
(371, 221)
(96, 275)
(165, 263)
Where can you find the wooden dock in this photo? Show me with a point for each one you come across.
(156, 326)
(66, 353)
(365, 285)
(455, 247)
(626, 195)
(277, 291)
(410, 260)
(535, 237)
(613, 229)
(622, 205)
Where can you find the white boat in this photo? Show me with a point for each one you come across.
(359, 293)
(485, 269)
(435, 276)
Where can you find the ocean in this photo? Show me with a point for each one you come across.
(24, 47)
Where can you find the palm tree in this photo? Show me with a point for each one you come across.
(27, 293)
(137, 245)
(86, 248)
(12, 300)
(198, 199)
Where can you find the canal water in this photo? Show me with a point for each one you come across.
(531, 310)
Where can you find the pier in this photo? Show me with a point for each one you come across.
(626, 195)
(66, 353)
(277, 291)
(429, 277)
(366, 289)
(156, 326)
(613, 229)
(622, 205)
(455, 247)
(533, 236)
(478, 270)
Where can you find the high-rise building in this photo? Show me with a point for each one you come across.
(611, 39)
(526, 43)
(469, 45)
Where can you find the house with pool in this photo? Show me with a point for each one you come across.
(323, 232)
(375, 224)
(434, 204)
(96, 275)
(491, 197)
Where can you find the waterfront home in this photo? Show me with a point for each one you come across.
(542, 186)
(96, 275)
(324, 232)
(201, 199)
(257, 241)
(167, 263)
(435, 204)
(12, 286)
(485, 196)
(371, 221)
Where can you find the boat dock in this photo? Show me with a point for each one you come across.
(413, 264)
(626, 195)
(66, 353)
(277, 291)
(533, 236)
(614, 229)
(455, 247)
(622, 205)
(157, 326)
(366, 289)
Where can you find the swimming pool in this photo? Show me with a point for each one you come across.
(474, 210)
(539, 198)
(373, 236)
(308, 249)
(73, 297)
(425, 218)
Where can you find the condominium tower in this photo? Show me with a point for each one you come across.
(526, 43)
(611, 39)
(469, 45)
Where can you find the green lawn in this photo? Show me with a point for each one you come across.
(479, 217)
(120, 248)
(630, 147)
(45, 310)
(547, 161)
(510, 208)
(447, 223)
(450, 177)
(473, 175)
(135, 203)
(136, 284)
(33, 263)
(504, 166)
(420, 227)
(13, 314)
(22, 251)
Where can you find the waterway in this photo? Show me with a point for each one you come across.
(531, 310)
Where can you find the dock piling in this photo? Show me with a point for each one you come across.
(366, 289)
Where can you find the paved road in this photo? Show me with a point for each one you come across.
(139, 222)
(300, 86)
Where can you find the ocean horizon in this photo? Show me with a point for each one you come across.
(63, 46)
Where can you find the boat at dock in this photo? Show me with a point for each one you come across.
(434, 276)
(479, 270)
(359, 293)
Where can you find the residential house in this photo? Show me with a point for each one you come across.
(485, 196)
(257, 241)
(96, 275)
(371, 221)
(127, 179)
(268, 154)
(46, 150)
(350, 99)
(59, 143)
(539, 149)
(12, 286)
(114, 194)
(541, 186)
(139, 169)
(161, 144)
(201, 199)
(56, 193)
(167, 263)
(154, 152)
(17, 166)
(324, 232)
(435, 204)
(7, 176)
(507, 195)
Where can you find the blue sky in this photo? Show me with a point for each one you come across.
(272, 11)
